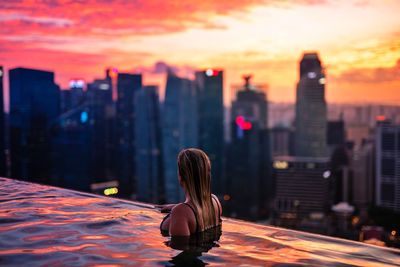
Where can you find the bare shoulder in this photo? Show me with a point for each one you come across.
(180, 220)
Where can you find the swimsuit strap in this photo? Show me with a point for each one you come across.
(219, 211)
(197, 223)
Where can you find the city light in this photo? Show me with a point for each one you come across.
(243, 124)
(1, 73)
(76, 84)
(311, 75)
(104, 86)
(84, 117)
(227, 197)
(110, 191)
(281, 165)
(211, 72)
(322, 80)
(380, 118)
(326, 174)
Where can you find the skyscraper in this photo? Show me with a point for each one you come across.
(302, 188)
(387, 140)
(128, 85)
(311, 118)
(34, 107)
(248, 155)
(209, 90)
(148, 152)
(179, 129)
(3, 168)
(102, 111)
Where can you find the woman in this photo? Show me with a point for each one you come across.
(201, 210)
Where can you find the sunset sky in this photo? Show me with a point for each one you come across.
(358, 41)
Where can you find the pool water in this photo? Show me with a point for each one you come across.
(48, 226)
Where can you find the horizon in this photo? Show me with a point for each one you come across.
(359, 48)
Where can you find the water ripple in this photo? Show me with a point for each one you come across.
(47, 226)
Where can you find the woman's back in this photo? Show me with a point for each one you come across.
(201, 210)
(184, 219)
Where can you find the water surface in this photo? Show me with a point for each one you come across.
(48, 226)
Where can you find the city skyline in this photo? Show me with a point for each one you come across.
(359, 47)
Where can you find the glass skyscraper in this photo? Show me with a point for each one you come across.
(179, 130)
(210, 114)
(148, 152)
(128, 85)
(34, 108)
(3, 168)
(311, 117)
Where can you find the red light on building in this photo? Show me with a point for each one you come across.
(380, 118)
(243, 124)
(211, 72)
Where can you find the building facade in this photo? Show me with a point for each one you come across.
(311, 117)
(210, 112)
(387, 141)
(179, 130)
(128, 85)
(34, 107)
(148, 154)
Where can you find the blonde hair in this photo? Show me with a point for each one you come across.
(194, 168)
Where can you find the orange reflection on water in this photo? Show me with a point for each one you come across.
(55, 226)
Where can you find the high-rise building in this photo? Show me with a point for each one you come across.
(77, 88)
(72, 148)
(281, 141)
(128, 85)
(248, 155)
(311, 117)
(387, 141)
(148, 154)
(209, 90)
(363, 166)
(102, 110)
(302, 188)
(34, 108)
(179, 129)
(3, 168)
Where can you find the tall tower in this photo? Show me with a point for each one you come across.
(3, 170)
(34, 108)
(248, 155)
(148, 146)
(209, 89)
(179, 130)
(311, 118)
(128, 85)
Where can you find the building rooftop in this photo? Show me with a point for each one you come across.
(48, 226)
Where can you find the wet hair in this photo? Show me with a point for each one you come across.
(194, 168)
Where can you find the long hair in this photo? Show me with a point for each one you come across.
(194, 168)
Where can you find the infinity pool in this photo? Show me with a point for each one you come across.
(48, 226)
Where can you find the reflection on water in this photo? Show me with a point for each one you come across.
(46, 226)
(193, 247)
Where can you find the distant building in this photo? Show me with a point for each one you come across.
(34, 107)
(148, 152)
(77, 88)
(311, 117)
(364, 177)
(209, 89)
(3, 166)
(248, 155)
(65, 100)
(72, 149)
(179, 128)
(102, 110)
(282, 141)
(387, 141)
(302, 188)
(128, 85)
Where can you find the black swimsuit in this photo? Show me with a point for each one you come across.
(195, 216)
